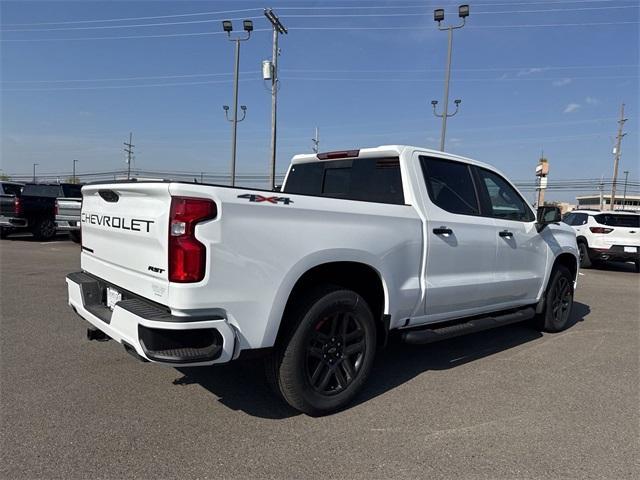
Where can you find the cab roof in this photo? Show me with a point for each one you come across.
(382, 150)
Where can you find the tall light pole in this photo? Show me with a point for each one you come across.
(74, 171)
(624, 195)
(34, 171)
(438, 16)
(278, 29)
(227, 26)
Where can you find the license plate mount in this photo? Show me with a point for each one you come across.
(113, 297)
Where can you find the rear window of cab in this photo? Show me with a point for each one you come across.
(366, 179)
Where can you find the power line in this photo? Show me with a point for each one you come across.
(348, 28)
(127, 19)
(139, 25)
(329, 15)
(124, 37)
(309, 79)
(538, 68)
(336, 7)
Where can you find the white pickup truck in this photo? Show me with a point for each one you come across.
(356, 244)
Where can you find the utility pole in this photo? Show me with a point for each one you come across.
(227, 26)
(601, 188)
(278, 29)
(129, 151)
(624, 195)
(438, 16)
(616, 156)
(74, 171)
(316, 141)
(34, 171)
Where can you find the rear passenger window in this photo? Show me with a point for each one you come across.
(367, 179)
(580, 219)
(450, 185)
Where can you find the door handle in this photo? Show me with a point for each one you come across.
(505, 233)
(443, 231)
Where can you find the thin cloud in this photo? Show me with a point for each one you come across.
(562, 82)
(572, 107)
(530, 71)
(592, 101)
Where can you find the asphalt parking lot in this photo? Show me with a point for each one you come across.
(508, 403)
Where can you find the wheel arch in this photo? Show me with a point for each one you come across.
(351, 275)
(568, 260)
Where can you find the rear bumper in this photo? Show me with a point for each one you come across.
(13, 222)
(616, 252)
(151, 330)
(67, 225)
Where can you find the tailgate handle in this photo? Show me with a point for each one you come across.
(109, 195)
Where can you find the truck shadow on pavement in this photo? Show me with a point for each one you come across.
(242, 385)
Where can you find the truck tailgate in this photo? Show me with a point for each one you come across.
(68, 208)
(125, 236)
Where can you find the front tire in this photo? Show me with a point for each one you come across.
(326, 358)
(558, 301)
(4, 232)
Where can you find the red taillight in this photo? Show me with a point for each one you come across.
(600, 230)
(187, 256)
(56, 209)
(17, 206)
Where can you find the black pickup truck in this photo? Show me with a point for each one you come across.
(9, 197)
(34, 209)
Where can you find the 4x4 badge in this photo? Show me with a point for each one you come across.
(253, 197)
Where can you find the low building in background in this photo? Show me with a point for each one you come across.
(597, 201)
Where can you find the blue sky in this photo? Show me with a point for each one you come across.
(75, 90)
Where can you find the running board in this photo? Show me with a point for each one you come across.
(435, 334)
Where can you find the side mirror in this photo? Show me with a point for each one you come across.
(548, 214)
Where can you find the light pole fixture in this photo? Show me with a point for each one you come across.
(438, 16)
(278, 29)
(227, 26)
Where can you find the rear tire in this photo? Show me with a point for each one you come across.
(585, 256)
(75, 236)
(4, 232)
(44, 229)
(558, 301)
(325, 357)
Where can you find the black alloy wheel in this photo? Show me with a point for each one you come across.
(335, 352)
(326, 353)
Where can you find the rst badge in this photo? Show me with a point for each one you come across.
(254, 197)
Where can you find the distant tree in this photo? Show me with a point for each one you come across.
(4, 176)
(71, 180)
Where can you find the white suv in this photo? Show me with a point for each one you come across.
(603, 236)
